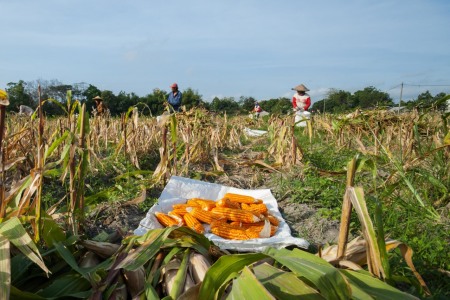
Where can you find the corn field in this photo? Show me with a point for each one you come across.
(45, 253)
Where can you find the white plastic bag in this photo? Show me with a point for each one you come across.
(301, 117)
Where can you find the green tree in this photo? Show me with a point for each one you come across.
(110, 101)
(337, 101)
(18, 96)
(370, 97)
(227, 104)
(246, 103)
(192, 98)
(277, 106)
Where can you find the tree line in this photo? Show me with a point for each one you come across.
(336, 101)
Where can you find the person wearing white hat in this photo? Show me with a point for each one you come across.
(175, 97)
(301, 101)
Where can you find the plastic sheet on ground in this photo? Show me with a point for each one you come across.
(179, 189)
(254, 132)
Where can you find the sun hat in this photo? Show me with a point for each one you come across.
(4, 99)
(98, 98)
(301, 88)
(174, 85)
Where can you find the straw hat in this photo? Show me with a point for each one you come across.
(98, 98)
(301, 88)
(4, 100)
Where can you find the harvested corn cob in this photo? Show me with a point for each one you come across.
(185, 205)
(205, 203)
(232, 233)
(273, 220)
(218, 222)
(193, 223)
(256, 208)
(165, 220)
(225, 202)
(180, 211)
(236, 214)
(242, 198)
(177, 217)
(257, 227)
(202, 215)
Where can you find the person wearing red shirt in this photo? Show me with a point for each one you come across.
(301, 101)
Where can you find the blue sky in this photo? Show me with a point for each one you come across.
(257, 48)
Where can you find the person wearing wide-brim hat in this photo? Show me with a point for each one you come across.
(301, 101)
(100, 106)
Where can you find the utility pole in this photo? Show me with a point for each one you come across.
(400, 101)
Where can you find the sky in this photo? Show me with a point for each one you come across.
(250, 48)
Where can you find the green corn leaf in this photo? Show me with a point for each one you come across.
(13, 230)
(364, 282)
(18, 294)
(356, 195)
(180, 278)
(5, 268)
(51, 231)
(148, 249)
(222, 271)
(284, 285)
(311, 268)
(55, 144)
(67, 285)
(247, 286)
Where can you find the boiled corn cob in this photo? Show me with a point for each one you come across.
(236, 214)
(193, 223)
(165, 220)
(241, 198)
(256, 208)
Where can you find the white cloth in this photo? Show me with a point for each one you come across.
(179, 189)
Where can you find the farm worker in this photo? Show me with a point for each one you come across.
(100, 107)
(257, 109)
(300, 103)
(175, 98)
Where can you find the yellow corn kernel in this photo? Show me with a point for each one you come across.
(236, 214)
(231, 233)
(256, 208)
(177, 217)
(193, 223)
(225, 202)
(185, 205)
(180, 211)
(202, 215)
(165, 220)
(242, 198)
